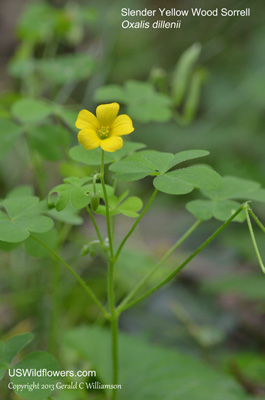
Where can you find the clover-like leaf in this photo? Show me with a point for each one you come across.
(67, 68)
(182, 181)
(76, 191)
(221, 204)
(68, 215)
(38, 360)
(165, 161)
(8, 135)
(10, 349)
(220, 210)
(93, 157)
(15, 344)
(128, 206)
(131, 170)
(234, 188)
(31, 111)
(149, 162)
(143, 101)
(20, 217)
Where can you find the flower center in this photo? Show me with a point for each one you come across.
(103, 132)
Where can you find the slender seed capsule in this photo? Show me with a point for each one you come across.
(94, 201)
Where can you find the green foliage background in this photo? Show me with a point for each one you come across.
(199, 87)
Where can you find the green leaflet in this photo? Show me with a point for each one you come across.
(66, 68)
(121, 205)
(220, 210)
(21, 216)
(38, 360)
(144, 163)
(184, 180)
(169, 372)
(143, 102)
(221, 204)
(93, 157)
(76, 191)
(31, 111)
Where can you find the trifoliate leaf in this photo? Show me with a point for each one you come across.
(31, 111)
(93, 157)
(220, 203)
(120, 205)
(182, 181)
(36, 361)
(67, 68)
(10, 349)
(143, 101)
(89, 157)
(76, 191)
(15, 344)
(234, 188)
(221, 210)
(21, 216)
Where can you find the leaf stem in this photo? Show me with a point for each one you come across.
(77, 277)
(258, 222)
(95, 226)
(107, 205)
(254, 241)
(159, 263)
(177, 270)
(136, 223)
(114, 326)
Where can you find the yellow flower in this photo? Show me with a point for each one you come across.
(105, 129)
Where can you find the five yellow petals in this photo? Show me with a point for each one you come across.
(105, 129)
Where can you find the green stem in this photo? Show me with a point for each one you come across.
(111, 288)
(177, 270)
(258, 222)
(77, 277)
(114, 326)
(136, 223)
(160, 262)
(254, 241)
(95, 226)
(55, 307)
(107, 205)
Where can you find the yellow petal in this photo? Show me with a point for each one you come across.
(107, 113)
(122, 126)
(111, 144)
(88, 139)
(86, 120)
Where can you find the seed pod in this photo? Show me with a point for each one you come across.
(94, 201)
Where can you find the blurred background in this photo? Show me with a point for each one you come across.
(198, 87)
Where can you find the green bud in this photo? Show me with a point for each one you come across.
(91, 248)
(94, 201)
